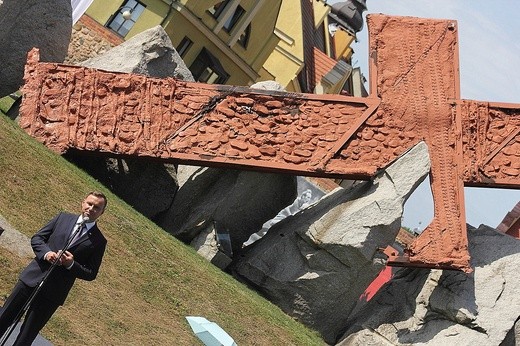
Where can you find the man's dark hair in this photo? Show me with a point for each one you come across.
(99, 195)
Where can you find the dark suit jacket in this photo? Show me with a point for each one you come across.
(88, 253)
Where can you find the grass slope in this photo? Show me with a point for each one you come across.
(148, 282)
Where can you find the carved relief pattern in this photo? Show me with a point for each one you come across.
(136, 115)
(290, 131)
(491, 141)
(380, 140)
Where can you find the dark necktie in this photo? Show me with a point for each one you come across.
(79, 233)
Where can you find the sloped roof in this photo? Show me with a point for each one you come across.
(510, 224)
(322, 64)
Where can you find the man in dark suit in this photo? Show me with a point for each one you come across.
(81, 259)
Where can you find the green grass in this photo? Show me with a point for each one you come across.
(149, 281)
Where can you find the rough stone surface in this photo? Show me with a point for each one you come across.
(150, 53)
(268, 85)
(208, 247)
(423, 307)
(148, 187)
(316, 264)
(26, 24)
(513, 337)
(186, 173)
(238, 201)
(14, 241)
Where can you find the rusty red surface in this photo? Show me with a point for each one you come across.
(415, 97)
(88, 109)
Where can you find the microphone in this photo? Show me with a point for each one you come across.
(78, 229)
(84, 221)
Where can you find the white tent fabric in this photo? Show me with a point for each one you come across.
(78, 8)
(301, 202)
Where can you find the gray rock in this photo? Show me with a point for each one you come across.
(316, 264)
(149, 53)
(44, 24)
(513, 336)
(148, 187)
(268, 85)
(14, 241)
(186, 173)
(435, 307)
(238, 201)
(207, 245)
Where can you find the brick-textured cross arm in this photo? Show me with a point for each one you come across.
(414, 79)
(212, 125)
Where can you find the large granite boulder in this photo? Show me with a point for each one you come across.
(150, 53)
(148, 187)
(435, 307)
(316, 264)
(45, 24)
(236, 202)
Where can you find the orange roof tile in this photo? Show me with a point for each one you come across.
(322, 64)
(511, 222)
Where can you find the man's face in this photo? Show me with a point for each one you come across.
(92, 207)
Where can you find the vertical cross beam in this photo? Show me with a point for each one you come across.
(415, 71)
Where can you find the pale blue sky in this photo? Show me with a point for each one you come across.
(489, 53)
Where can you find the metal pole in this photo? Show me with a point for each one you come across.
(31, 298)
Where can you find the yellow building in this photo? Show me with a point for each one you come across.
(241, 42)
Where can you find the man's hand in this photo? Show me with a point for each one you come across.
(51, 256)
(67, 259)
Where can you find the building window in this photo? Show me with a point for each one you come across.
(120, 22)
(319, 38)
(217, 9)
(183, 47)
(207, 69)
(244, 38)
(233, 20)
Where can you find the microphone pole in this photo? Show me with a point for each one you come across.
(31, 298)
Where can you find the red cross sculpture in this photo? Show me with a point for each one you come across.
(414, 79)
